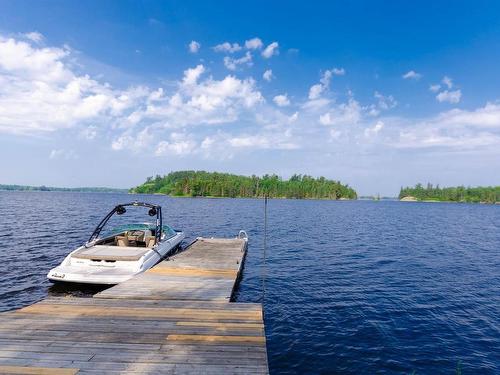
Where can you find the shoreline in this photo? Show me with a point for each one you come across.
(437, 201)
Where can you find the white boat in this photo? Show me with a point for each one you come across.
(120, 254)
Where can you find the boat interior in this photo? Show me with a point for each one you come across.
(131, 238)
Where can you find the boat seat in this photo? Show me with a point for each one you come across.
(150, 241)
(122, 241)
(102, 252)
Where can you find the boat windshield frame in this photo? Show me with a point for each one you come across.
(154, 210)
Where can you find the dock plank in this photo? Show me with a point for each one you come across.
(207, 270)
(176, 318)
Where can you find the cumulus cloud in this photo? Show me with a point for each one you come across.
(135, 141)
(232, 64)
(456, 128)
(34, 36)
(316, 90)
(41, 92)
(447, 81)
(268, 75)
(281, 100)
(254, 43)
(207, 101)
(385, 102)
(215, 116)
(191, 76)
(412, 75)
(373, 131)
(446, 95)
(194, 46)
(435, 88)
(349, 113)
(227, 47)
(179, 144)
(449, 96)
(271, 50)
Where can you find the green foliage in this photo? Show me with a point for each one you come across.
(488, 194)
(213, 184)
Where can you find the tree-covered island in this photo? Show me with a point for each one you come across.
(488, 194)
(213, 184)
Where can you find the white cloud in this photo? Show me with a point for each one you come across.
(435, 88)
(316, 90)
(63, 154)
(456, 128)
(373, 131)
(338, 71)
(254, 43)
(227, 47)
(34, 36)
(446, 95)
(412, 75)
(349, 113)
(281, 100)
(89, 133)
(207, 101)
(41, 92)
(262, 141)
(268, 75)
(385, 102)
(134, 141)
(191, 75)
(449, 96)
(194, 46)
(179, 144)
(326, 119)
(232, 64)
(200, 115)
(270, 50)
(447, 81)
(483, 117)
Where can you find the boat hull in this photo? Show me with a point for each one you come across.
(101, 272)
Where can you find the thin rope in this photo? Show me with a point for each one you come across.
(264, 270)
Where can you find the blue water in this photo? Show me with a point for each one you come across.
(351, 287)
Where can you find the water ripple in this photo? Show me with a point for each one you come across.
(351, 287)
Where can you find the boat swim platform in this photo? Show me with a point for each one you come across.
(176, 318)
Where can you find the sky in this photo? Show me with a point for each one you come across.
(378, 95)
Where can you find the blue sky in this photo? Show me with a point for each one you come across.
(375, 94)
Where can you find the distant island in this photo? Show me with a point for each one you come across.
(213, 184)
(51, 188)
(488, 194)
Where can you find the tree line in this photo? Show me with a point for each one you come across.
(487, 194)
(51, 188)
(213, 184)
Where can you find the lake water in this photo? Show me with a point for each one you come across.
(351, 287)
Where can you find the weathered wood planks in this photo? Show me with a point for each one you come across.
(207, 271)
(174, 319)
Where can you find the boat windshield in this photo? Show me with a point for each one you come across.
(168, 231)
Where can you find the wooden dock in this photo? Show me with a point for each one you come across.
(176, 318)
